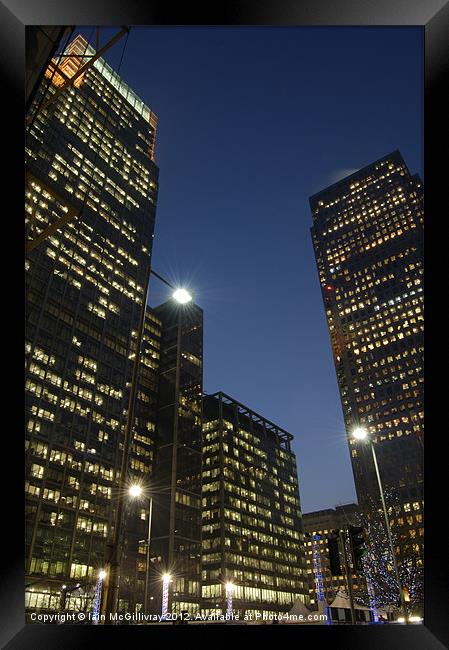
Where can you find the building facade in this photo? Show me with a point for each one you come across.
(319, 527)
(141, 463)
(251, 512)
(368, 239)
(176, 481)
(90, 163)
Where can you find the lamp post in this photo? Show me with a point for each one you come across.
(136, 491)
(147, 564)
(362, 434)
(113, 574)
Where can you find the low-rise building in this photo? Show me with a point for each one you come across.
(319, 527)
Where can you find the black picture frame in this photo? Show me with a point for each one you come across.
(15, 15)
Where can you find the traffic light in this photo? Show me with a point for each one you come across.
(357, 546)
(334, 556)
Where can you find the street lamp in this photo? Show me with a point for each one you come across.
(136, 491)
(179, 294)
(360, 433)
(182, 296)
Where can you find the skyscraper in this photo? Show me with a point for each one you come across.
(368, 237)
(89, 163)
(176, 481)
(251, 512)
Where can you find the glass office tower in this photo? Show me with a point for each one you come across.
(176, 482)
(368, 238)
(251, 512)
(90, 163)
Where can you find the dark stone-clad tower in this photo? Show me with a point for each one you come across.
(176, 537)
(368, 239)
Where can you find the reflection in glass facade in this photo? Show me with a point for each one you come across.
(89, 156)
(368, 237)
(251, 512)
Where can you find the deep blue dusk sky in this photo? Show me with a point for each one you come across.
(251, 122)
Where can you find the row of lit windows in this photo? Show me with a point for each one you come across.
(96, 132)
(360, 239)
(76, 390)
(363, 184)
(87, 276)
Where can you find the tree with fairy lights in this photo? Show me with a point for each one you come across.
(378, 565)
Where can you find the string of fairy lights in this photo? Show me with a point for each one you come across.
(382, 587)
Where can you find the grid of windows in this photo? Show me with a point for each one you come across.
(367, 236)
(176, 531)
(89, 156)
(251, 511)
(325, 524)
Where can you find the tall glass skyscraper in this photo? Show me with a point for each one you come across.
(368, 239)
(176, 536)
(89, 162)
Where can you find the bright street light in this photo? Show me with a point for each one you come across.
(135, 491)
(360, 433)
(182, 296)
(102, 575)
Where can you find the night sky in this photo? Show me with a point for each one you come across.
(251, 122)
